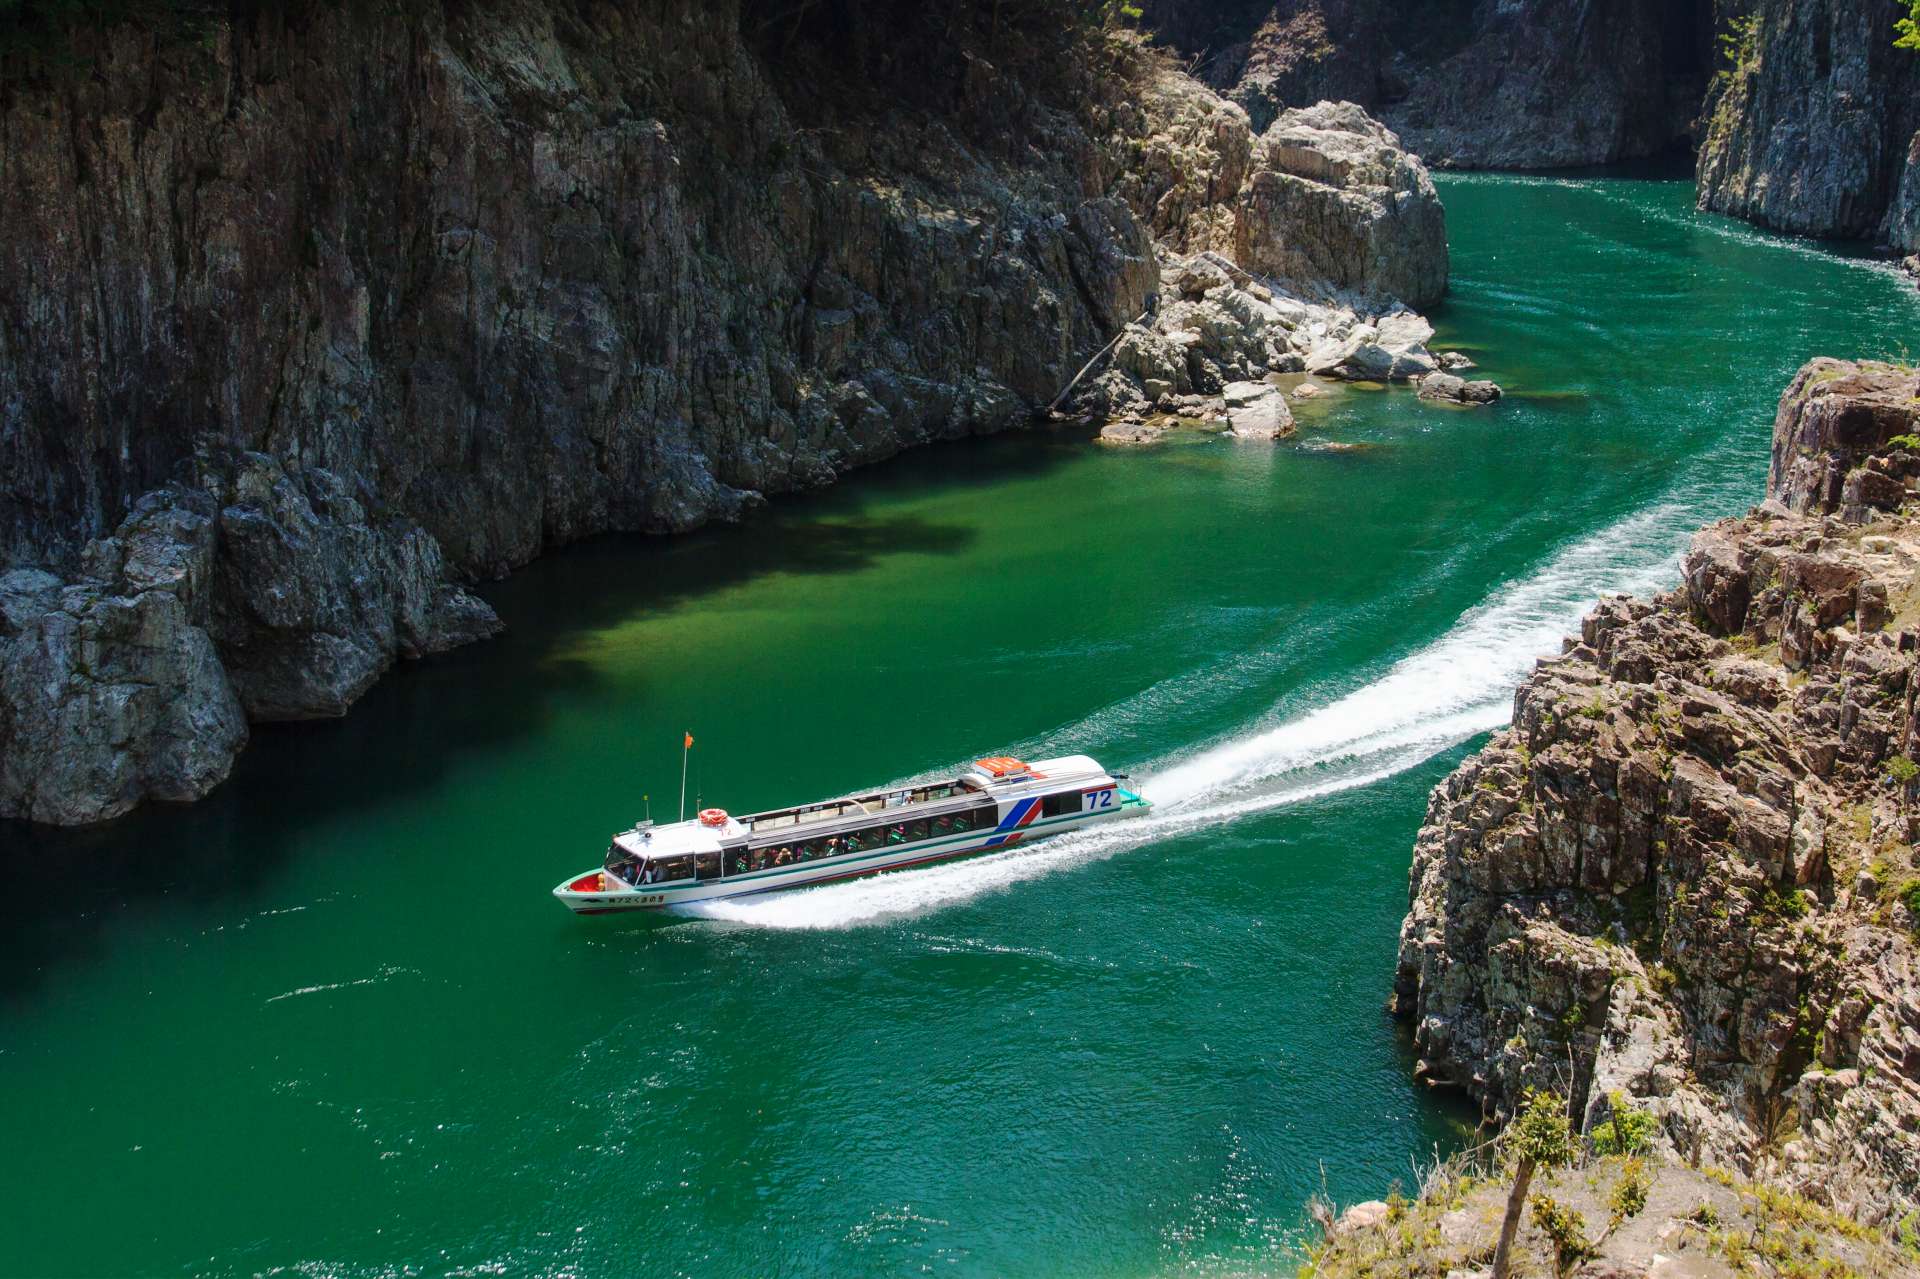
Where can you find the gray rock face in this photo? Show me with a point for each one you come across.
(264, 597)
(1671, 879)
(1813, 128)
(1326, 199)
(354, 306)
(111, 690)
(1491, 84)
(1391, 348)
(1335, 197)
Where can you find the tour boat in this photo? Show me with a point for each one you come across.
(999, 802)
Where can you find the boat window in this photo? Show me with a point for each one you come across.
(659, 870)
(907, 832)
(1059, 805)
(739, 861)
(799, 853)
(932, 792)
(867, 840)
(706, 865)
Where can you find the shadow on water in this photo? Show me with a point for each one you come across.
(61, 888)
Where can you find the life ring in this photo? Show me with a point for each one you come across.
(713, 817)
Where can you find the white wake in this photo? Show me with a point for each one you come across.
(1458, 686)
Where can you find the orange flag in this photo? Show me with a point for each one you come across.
(689, 745)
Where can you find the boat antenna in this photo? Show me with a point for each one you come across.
(648, 801)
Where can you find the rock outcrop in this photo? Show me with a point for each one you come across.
(347, 307)
(1686, 875)
(1334, 197)
(1815, 127)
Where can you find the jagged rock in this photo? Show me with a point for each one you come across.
(1832, 420)
(111, 691)
(313, 596)
(1446, 386)
(1334, 197)
(1673, 874)
(1258, 411)
(260, 595)
(1391, 348)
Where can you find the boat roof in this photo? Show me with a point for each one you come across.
(992, 777)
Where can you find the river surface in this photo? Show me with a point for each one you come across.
(329, 1021)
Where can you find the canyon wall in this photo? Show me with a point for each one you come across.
(1805, 115)
(312, 321)
(1467, 83)
(1813, 126)
(1685, 878)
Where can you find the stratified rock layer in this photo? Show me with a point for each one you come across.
(1686, 875)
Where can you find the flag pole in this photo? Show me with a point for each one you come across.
(686, 749)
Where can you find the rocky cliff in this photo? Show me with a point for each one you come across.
(1814, 124)
(1686, 875)
(1805, 115)
(1468, 84)
(311, 321)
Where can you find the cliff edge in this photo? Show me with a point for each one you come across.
(1686, 876)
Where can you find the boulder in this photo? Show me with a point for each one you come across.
(1334, 198)
(1832, 419)
(1392, 348)
(1456, 390)
(1258, 411)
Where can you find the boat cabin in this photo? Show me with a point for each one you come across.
(946, 814)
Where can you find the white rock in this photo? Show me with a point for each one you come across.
(1258, 411)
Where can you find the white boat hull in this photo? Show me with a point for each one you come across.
(610, 894)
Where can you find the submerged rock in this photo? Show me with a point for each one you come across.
(1457, 390)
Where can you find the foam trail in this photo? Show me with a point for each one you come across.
(1463, 681)
(1437, 697)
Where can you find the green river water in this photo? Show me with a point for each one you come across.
(330, 1022)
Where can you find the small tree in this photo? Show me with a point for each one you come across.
(1539, 1136)
(1907, 29)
